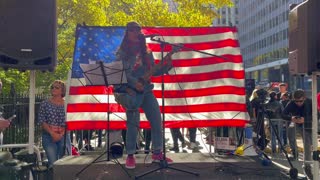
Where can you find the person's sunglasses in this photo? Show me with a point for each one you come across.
(55, 87)
(134, 29)
(298, 101)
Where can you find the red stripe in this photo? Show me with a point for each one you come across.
(89, 124)
(205, 61)
(96, 90)
(190, 47)
(200, 76)
(192, 108)
(187, 31)
(214, 107)
(94, 107)
(217, 90)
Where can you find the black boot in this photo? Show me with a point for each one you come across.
(175, 148)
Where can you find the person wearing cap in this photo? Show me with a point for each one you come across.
(139, 66)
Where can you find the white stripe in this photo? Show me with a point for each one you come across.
(88, 115)
(195, 38)
(192, 54)
(227, 115)
(206, 68)
(201, 84)
(78, 82)
(203, 100)
(91, 99)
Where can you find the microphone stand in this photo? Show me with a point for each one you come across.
(163, 163)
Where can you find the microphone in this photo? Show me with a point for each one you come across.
(151, 35)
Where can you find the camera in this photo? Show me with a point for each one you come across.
(262, 96)
(297, 117)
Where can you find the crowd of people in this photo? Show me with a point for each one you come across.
(292, 112)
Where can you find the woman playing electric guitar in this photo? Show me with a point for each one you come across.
(139, 66)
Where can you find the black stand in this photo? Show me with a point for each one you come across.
(163, 163)
(104, 74)
(293, 172)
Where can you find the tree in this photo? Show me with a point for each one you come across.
(185, 13)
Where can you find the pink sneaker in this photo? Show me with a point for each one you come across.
(130, 162)
(159, 157)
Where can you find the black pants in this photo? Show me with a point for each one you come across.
(176, 134)
(192, 135)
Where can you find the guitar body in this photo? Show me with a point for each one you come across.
(129, 102)
(132, 101)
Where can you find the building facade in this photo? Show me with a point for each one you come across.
(263, 35)
(228, 16)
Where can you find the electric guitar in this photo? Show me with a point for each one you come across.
(156, 67)
(131, 102)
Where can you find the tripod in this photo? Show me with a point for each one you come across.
(164, 163)
(104, 74)
(262, 113)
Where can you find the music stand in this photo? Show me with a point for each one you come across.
(105, 74)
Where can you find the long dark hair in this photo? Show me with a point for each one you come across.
(144, 50)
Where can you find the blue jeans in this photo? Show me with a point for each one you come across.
(54, 150)
(150, 106)
(306, 139)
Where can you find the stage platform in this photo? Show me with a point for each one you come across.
(202, 160)
(208, 167)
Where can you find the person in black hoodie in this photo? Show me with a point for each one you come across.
(274, 109)
(299, 112)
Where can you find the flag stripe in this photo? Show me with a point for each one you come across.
(196, 45)
(103, 107)
(174, 100)
(200, 76)
(205, 61)
(89, 124)
(78, 89)
(121, 117)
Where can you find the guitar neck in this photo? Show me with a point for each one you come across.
(156, 67)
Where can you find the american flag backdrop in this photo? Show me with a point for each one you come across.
(201, 90)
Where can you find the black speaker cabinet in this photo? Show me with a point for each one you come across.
(28, 34)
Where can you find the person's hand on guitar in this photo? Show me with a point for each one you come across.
(139, 85)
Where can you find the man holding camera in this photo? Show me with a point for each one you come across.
(299, 112)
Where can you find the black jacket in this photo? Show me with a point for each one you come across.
(304, 111)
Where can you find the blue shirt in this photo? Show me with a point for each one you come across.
(52, 114)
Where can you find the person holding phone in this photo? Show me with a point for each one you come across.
(299, 112)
